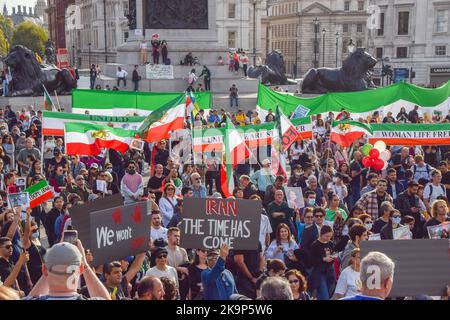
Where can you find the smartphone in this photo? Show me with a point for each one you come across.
(70, 236)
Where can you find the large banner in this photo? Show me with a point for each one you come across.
(129, 103)
(391, 98)
(397, 134)
(119, 232)
(159, 71)
(53, 122)
(208, 140)
(422, 266)
(210, 223)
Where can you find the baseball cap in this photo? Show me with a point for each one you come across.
(159, 250)
(62, 254)
(212, 252)
(94, 165)
(56, 151)
(265, 162)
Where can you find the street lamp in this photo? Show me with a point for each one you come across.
(73, 56)
(254, 2)
(316, 45)
(337, 45)
(89, 44)
(324, 31)
(351, 46)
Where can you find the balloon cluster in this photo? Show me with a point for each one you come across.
(376, 156)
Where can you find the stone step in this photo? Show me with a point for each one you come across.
(179, 72)
(180, 85)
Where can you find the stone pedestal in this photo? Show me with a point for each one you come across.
(203, 43)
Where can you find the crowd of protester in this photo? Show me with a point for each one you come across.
(313, 251)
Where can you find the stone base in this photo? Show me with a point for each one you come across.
(17, 103)
(207, 53)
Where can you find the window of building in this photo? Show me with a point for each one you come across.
(125, 9)
(440, 50)
(347, 6)
(359, 27)
(402, 52)
(441, 20)
(360, 5)
(359, 43)
(381, 30)
(379, 53)
(231, 10)
(231, 39)
(345, 27)
(126, 34)
(403, 23)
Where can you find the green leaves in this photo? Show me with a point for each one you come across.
(31, 36)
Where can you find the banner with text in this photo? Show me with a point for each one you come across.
(210, 223)
(396, 134)
(159, 71)
(119, 232)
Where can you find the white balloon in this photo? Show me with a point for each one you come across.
(385, 165)
(380, 146)
(385, 155)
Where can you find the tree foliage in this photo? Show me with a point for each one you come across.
(7, 27)
(31, 36)
(3, 45)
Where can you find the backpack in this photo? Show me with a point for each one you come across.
(426, 166)
(431, 188)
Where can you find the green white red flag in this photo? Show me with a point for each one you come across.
(88, 139)
(344, 133)
(158, 125)
(39, 193)
(236, 151)
(48, 102)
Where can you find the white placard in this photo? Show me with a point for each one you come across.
(159, 71)
(294, 197)
(101, 186)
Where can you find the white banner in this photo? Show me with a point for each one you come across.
(159, 71)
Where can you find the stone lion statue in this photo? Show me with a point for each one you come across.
(273, 73)
(352, 76)
(29, 77)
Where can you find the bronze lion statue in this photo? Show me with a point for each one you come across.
(273, 73)
(29, 77)
(352, 76)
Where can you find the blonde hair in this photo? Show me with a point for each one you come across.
(434, 207)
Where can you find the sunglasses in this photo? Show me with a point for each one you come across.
(396, 216)
(293, 281)
(198, 179)
(162, 256)
(7, 247)
(201, 250)
(131, 168)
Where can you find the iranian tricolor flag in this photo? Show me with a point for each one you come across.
(39, 193)
(288, 132)
(345, 133)
(236, 151)
(164, 120)
(88, 139)
(48, 102)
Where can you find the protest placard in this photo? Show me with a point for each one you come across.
(159, 71)
(402, 233)
(80, 214)
(422, 266)
(294, 197)
(441, 231)
(210, 223)
(116, 233)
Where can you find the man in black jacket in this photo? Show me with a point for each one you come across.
(394, 187)
(136, 78)
(311, 233)
(249, 187)
(408, 204)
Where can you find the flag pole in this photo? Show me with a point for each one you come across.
(57, 100)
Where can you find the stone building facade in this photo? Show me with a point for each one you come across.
(413, 34)
(234, 26)
(56, 11)
(22, 13)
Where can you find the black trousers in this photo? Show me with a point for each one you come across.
(121, 79)
(207, 84)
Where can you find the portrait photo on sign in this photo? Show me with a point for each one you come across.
(294, 197)
(21, 183)
(21, 199)
(137, 144)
